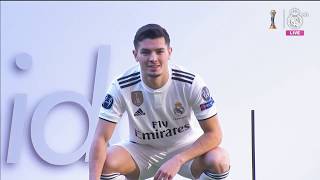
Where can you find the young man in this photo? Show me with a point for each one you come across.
(159, 99)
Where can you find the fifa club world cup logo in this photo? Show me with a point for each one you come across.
(273, 15)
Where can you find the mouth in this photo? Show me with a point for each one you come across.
(153, 67)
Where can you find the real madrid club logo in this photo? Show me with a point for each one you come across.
(137, 97)
(205, 93)
(295, 19)
(178, 109)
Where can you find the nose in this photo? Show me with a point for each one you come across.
(153, 57)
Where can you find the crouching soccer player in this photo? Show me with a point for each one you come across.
(159, 98)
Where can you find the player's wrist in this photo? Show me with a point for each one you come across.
(179, 158)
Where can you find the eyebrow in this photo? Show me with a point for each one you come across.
(145, 49)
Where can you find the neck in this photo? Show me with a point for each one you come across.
(156, 82)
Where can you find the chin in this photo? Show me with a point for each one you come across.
(154, 75)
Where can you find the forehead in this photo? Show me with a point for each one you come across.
(156, 43)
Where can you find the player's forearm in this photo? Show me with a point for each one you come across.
(97, 158)
(203, 144)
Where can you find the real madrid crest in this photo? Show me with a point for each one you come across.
(178, 109)
(295, 20)
(137, 98)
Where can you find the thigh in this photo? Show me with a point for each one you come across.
(119, 160)
(147, 158)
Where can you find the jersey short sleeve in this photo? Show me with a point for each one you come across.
(202, 102)
(112, 107)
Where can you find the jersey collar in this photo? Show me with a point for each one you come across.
(159, 90)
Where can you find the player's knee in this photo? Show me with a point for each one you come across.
(111, 165)
(217, 160)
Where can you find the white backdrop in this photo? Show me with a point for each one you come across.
(230, 44)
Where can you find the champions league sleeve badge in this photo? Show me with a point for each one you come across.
(205, 93)
(108, 101)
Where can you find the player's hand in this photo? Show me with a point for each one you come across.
(168, 170)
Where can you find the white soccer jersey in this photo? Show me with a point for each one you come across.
(160, 117)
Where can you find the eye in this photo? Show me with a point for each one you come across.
(160, 51)
(143, 52)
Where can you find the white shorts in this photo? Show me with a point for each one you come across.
(149, 159)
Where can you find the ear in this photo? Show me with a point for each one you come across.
(135, 54)
(170, 51)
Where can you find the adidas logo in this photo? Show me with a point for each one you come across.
(139, 113)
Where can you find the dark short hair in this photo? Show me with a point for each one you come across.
(150, 31)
